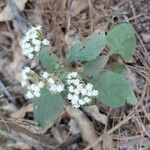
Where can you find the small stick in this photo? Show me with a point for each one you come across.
(10, 98)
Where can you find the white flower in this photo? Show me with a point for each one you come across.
(45, 42)
(87, 100)
(76, 105)
(76, 92)
(89, 93)
(29, 95)
(75, 98)
(81, 102)
(95, 92)
(23, 83)
(37, 93)
(36, 42)
(36, 88)
(83, 92)
(30, 42)
(24, 75)
(72, 75)
(79, 87)
(38, 27)
(60, 88)
(51, 81)
(41, 84)
(37, 48)
(30, 55)
(69, 82)
(53, 88)
(45, 75)
(89, 86)
(80, 93)
(70, 96)
(69, 76)
(76, 82)
(71, 89)
(32, 87)
(27, 69)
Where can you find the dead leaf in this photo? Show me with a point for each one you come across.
(108, 143)
(18, 60)
(21, 112)
(71, 38)
(86, 127)
(73, 127)
(77, 6)
(93, 111)
(9, 108)
(59, 134)
(6, 13)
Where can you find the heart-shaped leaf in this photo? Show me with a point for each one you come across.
(93, 67)
(114, 89)
(121, 40)
(47, 108)
(88, 49)
(48, 59)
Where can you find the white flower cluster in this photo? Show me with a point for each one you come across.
(32, 42)
(54, 86)
(34, 87)
(24, 76)
(79, 92)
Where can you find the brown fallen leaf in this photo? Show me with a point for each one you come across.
(71, 38)
(108, 143)
(86, 127)
(6, 13)
(73, 126)
(18, 60)
(21, 112)
(77, 6)
(94, 112)
(60, 134)
(10, 108)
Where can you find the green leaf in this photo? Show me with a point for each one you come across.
(121, 40)
(132, 99)
(93, 67)
(48, 59)
(118, 68)
(114, 89)
(89, 49)
(47, 108)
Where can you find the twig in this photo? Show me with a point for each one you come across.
(2, 88)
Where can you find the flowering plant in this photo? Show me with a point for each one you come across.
(94, 80)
